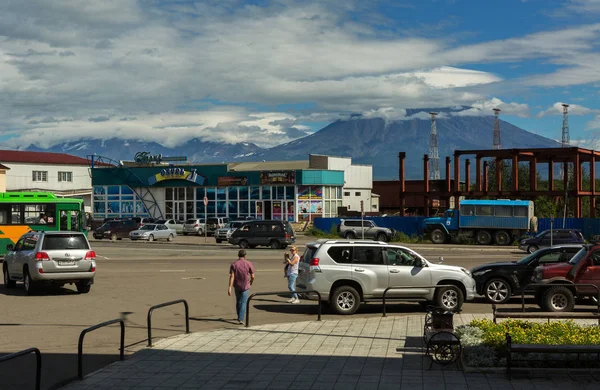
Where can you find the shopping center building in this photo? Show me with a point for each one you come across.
(289, 190)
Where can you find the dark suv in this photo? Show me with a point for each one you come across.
(116, 230)
(276, 234)
(551, 237)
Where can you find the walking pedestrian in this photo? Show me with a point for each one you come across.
(241, 277)
(292, 272)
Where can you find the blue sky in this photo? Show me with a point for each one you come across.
(269, 71)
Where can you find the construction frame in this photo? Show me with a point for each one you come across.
(564, 157)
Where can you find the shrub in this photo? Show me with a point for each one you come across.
(414, 239)
(314, 232)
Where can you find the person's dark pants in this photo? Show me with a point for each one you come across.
(241, 297)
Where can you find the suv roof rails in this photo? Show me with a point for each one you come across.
(355, 241)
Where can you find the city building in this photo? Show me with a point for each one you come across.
(59, 173)
(290, 190)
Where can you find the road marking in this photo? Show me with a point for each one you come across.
(172, 270)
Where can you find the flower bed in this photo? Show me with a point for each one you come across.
(484, 342)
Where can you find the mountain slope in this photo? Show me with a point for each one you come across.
(377, 142)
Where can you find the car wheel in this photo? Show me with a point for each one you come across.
(558, 299)
(185, 234)
(502, 238)
(483, 237)
(28, 283)
(83, 287)
(7, 282)
(449, 298)
(350, 236)
(438, 236)
(382, 237)
(243, 244)
(150, 238)
(113, 237)
(200, 232)
(497, 291)
(532, 248)
(345, 300)
(274, 244)
(170, 238)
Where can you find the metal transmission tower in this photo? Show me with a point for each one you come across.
(497, 143)
(434, 157)
(566, 139)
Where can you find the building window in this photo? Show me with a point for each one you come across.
(347, 193)
(65, 176)
(40, 176)
(357, 193)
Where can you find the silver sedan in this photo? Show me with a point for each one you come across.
(152, 231)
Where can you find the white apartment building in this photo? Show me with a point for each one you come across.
(59, 173)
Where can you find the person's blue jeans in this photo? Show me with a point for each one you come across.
(241, 297)
(292, 284)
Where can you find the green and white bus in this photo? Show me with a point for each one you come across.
(21, 212)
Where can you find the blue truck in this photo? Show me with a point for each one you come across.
(499, 222)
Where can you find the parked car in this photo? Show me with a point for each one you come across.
(194, 226)
(497, 282)
(347, 272)
(172, 224)
(354, 228)
(558, 236)
(276, 234)
(562, 279)
(227, 230)
(52, 257)
(115, 229)
(152, 231)
(212, 224)
(141, 221)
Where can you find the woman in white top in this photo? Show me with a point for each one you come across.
(292, 272)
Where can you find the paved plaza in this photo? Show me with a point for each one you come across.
(358, 353)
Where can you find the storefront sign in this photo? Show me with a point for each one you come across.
(232, 181)
(144, 158)
(277, 177)
(310, 192)
(175, 173)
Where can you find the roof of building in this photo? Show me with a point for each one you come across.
(268, 165)
(21, 156)
(3, 167)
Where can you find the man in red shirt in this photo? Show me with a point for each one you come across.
(241, 277)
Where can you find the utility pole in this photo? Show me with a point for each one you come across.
(497, 143)
(566, 138)
(434, 156)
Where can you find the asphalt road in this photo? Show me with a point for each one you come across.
(133, 276)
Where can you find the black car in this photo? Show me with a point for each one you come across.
(551, 237)
(275, 234)
(115, 229)
(497, 282)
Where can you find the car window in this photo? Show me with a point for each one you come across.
(368, 224)
(29, 244)
(367, 255)
(276, 228)
(399, 256)
(595, 257)
(288, 228)
(307, 255)
(565, 235)
(551, 257)
(162, 227)
(190, 221)
(64, 241)
(341, 254)
(352, 223)
(19, 245)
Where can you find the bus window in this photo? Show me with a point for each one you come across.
(75, 221)
(16, 217)
(484, 210)
(503, 211)
(467, 210)
(520, 211)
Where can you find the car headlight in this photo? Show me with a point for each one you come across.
(538, 275)
(466, 271)
(523, 242)
(482, 272)
(107, 232)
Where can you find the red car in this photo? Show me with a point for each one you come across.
(563, 280)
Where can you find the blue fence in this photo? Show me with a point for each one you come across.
(414, 225)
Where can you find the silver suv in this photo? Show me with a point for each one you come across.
(355, 228)
(56, 258)
(347, 272)
(194, 226)
(227, 230)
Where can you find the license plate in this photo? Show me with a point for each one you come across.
(66, 263)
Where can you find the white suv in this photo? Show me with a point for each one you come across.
(348, 272)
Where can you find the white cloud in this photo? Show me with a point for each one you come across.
(486, 107)
(584, 6)
(574, 109)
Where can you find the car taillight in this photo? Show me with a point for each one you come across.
(287, 236)
(42, 256)
(314, 261)
(196, 225)
(90, 255)
(314, 264)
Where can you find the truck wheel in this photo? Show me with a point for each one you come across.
(558, 299)
(350, 236)
(438, 236)
(483, 237)
(345, 300)
(450, 298)
(502, 238)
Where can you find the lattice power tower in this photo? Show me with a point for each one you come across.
(497, 142)
(566, 139)
(434, 156)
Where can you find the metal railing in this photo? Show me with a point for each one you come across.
(409, 287)
(38, 362)
(282, 293)
(187, 316)
(558, 284)
(85, 331)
